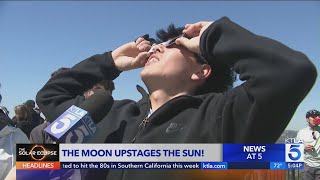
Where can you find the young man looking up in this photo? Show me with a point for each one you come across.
(188, 81)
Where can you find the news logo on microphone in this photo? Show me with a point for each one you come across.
(73, 126)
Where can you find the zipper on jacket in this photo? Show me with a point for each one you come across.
(141, 126)
(146, 120)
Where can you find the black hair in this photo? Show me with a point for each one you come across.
(30, 103)
(312, 113)
(223, 76)
(107, 84)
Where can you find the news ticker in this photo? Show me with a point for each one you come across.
(159, 156)
(183, 165)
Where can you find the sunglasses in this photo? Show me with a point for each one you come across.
(172, 41)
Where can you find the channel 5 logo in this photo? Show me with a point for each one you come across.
(294, 152)
(73, 126)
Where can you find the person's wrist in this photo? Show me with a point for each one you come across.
(115, 56)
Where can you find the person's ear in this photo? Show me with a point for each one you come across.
(202, 73)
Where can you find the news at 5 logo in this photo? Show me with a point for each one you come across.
(294, 152)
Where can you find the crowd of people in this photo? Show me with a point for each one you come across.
(27, 126)
(189, 74)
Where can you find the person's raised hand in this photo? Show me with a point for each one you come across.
(194, 31)
(132, 55)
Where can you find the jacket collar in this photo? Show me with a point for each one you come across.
(142, 92)
(145, 94)
(170, 108)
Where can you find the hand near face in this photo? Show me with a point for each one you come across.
(308, 147)
(132, 55)
(194, 31)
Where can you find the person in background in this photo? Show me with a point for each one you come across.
(37, 119)
(24, 119)
(106, 85)
(4, 115)
(38, 135)
(9, 137)
(311, 139)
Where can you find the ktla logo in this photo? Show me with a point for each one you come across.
(36, 153)
(294, 152)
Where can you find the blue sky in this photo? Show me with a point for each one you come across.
(38, 37)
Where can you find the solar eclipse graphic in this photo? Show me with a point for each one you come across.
(38, 156)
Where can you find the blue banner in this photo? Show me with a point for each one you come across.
(130, 165)
(214, 165)
(295, 165)
(248, 165)
(286, 165)
(278, 165)
(254, 152)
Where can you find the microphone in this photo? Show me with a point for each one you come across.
(317, 120)
(77, 124)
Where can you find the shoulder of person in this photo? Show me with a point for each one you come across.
(304, 131)
(19, 136)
